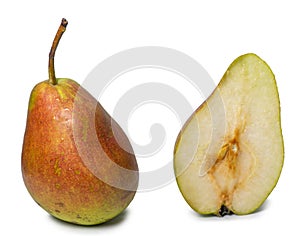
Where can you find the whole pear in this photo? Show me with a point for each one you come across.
(77, 163)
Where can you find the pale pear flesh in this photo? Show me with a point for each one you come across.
(229, 155)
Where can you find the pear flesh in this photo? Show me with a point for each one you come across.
(229, 155)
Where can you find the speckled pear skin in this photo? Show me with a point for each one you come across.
(70, 182)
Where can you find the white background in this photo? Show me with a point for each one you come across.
(212, 32)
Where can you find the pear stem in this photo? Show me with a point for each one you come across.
(60, 31)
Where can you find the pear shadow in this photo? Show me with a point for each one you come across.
(262, 208)
(118, 220)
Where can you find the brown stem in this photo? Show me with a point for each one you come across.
(60, 31)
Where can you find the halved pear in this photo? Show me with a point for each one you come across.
(229, 155)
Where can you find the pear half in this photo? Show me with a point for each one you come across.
(229, 155)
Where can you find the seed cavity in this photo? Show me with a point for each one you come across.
(224, 174)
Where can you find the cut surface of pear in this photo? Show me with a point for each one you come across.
(229, 155)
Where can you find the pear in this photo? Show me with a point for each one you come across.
(229, 154)
(77, 163)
